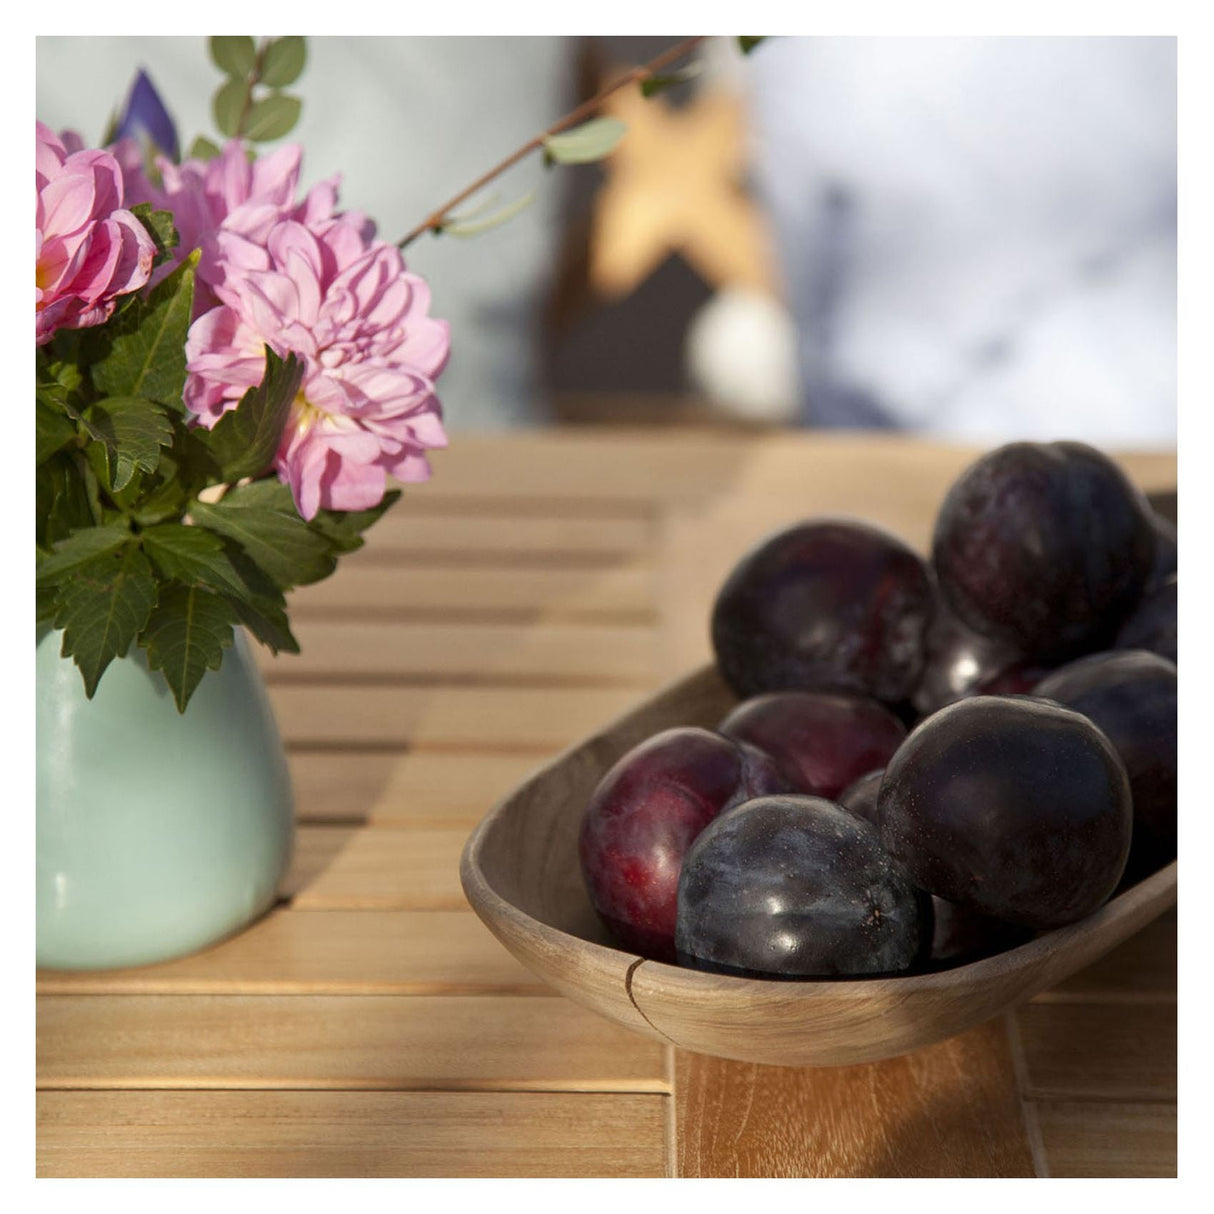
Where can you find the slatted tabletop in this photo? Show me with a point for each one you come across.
(369, 1025)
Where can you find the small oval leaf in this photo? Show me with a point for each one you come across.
(202, 149)
(587, 143)
(283, 61)
(272, 117)
(235, 56)
(467, 226)
(228, 107)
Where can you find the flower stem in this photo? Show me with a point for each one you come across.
(586, 110)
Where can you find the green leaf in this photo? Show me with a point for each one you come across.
(186, 636)
(261, 517)
(267, 621)
(283, 61)
(244, 440)
(228, 107)
(80, 547)
(146, 351)
(66, 494)
(53, 428)
(666, 80)
(584, 144)
(470, 227)
(133, 430)
(272, 117)
(203, 149)
(235, 56)
(748, 44)
(160, 228)
(102, 607)
(343, 528)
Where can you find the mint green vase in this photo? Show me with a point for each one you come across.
(158, 832)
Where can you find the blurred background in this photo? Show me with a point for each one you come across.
(970, 238)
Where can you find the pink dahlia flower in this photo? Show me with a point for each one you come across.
(227, 193)
(90, 249)
(346, 305)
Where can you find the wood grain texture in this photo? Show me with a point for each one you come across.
(350, 1134)
(469, 652)
(1098, 1051)
(418, 788)
(537, 720)
(329, 952)
(387, 868)
(521, 1043)
(949, 1110)
(368, 585)
(1108, 1140)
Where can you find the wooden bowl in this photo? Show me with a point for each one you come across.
(521, 874)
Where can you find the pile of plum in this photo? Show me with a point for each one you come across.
(929, 761)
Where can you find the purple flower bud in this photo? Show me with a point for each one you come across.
(146, 120)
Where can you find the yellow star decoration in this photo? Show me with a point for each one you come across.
(674, 186)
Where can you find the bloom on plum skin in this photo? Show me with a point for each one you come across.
(90, 248)
(347, 307)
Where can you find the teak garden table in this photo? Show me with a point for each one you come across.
(370, 1025)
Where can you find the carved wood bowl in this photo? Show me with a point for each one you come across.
(521, 874)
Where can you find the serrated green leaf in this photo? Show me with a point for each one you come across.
(267, 621)
(261, 517)
(160, 227)
(584, 144)
(132, 430)
(186, 636)
(237, 56)
(468, 227)
(343, 528)
(203, 149)
(748, 44)
(146, 345)
(244, 440)
(79, 548)
(272, 117)
(228, 107)
(102, 607)
(283, 61)
(54, 429)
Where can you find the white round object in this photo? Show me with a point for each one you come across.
(741, 353)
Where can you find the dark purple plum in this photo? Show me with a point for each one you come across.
(645, 813)
(795, 887)
(961, 662)
(822, 741)
(1045, 547)
(1131, 695)
(860, 797)
(1164, 565)
(1153, 624)
(959, 933)
(1013, 806)
(828, 604)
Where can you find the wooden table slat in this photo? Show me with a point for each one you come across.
(537, 720)
(517, 1043)
(950, 1110)
(1100, 1139)
(420, 788)
(484, 653)
(351, 1134)
(334, 952)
